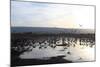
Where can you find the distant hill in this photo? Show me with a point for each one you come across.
(50, 30)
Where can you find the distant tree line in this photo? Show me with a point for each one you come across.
(31, 34)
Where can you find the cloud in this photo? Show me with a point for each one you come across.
(51, 15)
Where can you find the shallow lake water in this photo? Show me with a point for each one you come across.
(73, 49)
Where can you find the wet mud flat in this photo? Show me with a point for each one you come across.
(26, 62)
(33, 49)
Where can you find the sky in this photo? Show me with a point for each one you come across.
(32, 14)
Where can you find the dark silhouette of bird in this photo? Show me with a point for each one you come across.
(80, 25)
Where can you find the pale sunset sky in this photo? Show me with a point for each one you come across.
(33, 14)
